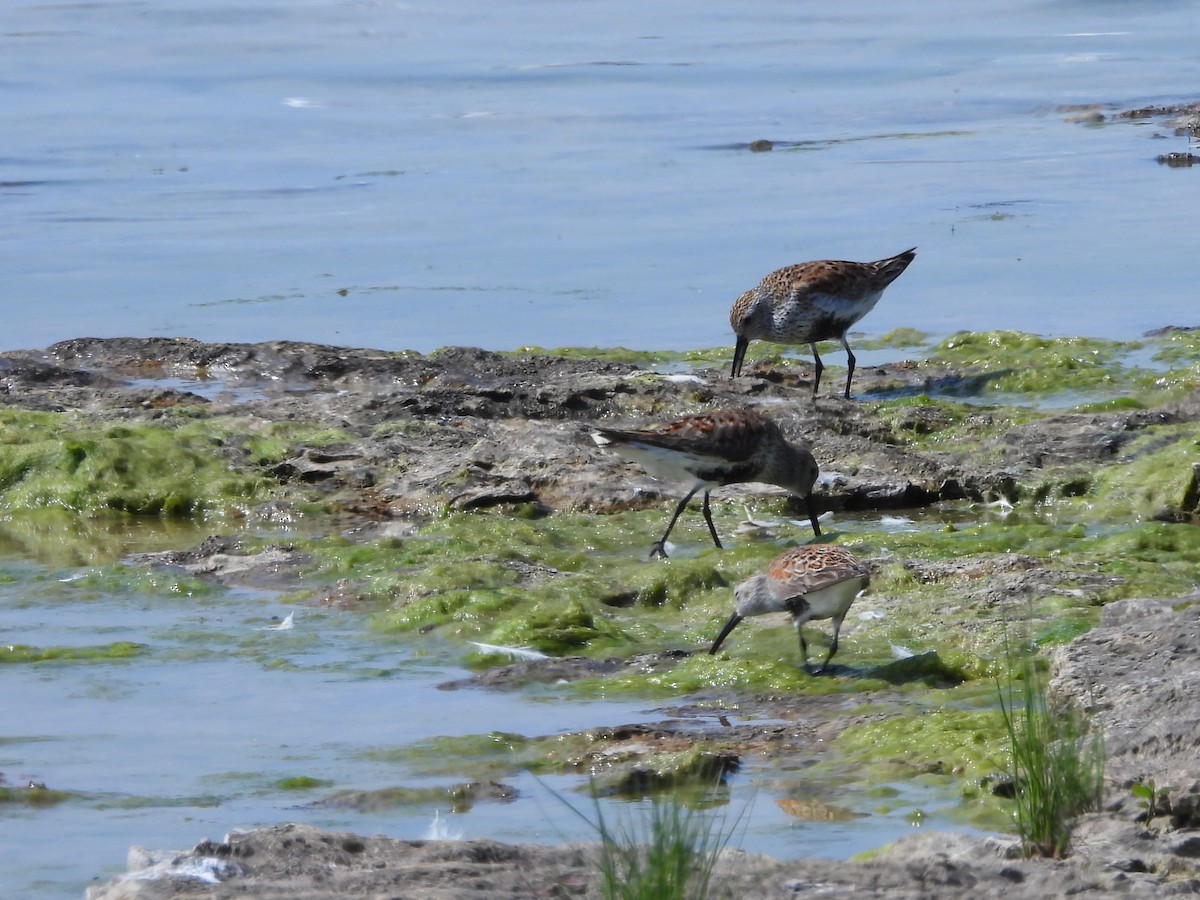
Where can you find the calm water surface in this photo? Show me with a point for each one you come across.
(415, 175)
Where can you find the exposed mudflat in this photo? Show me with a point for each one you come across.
(472, 430)
(495, 429)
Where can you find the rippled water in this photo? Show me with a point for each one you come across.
(196, 733)
(415, 175)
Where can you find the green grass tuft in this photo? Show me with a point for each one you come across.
(667, 854)
(1057, 762)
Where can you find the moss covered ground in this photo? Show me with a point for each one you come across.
(930, 629)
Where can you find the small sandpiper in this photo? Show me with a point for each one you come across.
(817, 581)
(810, 302)
(709, 450)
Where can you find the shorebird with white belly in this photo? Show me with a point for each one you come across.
(817, 581)
(810, 302)
(709, 450)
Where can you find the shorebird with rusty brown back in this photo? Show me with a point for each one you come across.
(811, 302)
(708, 450)
(817, 581)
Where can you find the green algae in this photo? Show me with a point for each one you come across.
(1022, 363)
(301, 783)
(1112, 404)
(563, 586)
(203, 801)
(765, 669)
(1065, 630)
(1178, 348)
(928, 422)
(698, 767)
(58, 537)
(953, 740)
(1018, 532)
(116, 651)
(458, 798)
(961, 746)
(35, 795)
(580, 585)
(1031, 371)
(174, 467)
(278, 441)
(770, 663)
(678, 583)
(479, 757)
(558, 630)
(569, 583)
(1151, 559)
(897, 338)
(60, 460)
(1086, 373)
(142, 582)
(932, 669)
(1154, 475)
(614, 770)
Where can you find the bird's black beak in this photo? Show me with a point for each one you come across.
(729, 626)
(812, 515)
(739, 353)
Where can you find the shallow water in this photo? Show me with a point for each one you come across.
(411, 176)
(193, 735)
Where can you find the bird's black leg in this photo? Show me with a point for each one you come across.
(659, 548)
(803, 647)
(849, 364)
(712, 529)
(824, 665)
(820, 367)
(837, 626)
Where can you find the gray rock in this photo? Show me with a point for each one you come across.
(1138, 671)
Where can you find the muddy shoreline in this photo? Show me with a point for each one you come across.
(468, 430)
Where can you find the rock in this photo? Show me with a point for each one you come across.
(304, 863)
(1137, 673)
(470, 428)
(222, 558)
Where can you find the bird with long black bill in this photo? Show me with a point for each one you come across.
(713, 449)
(817, 581)
(811, 302)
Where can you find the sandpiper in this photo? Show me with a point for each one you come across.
(728, 446)
(810, 302)
(817, 581)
